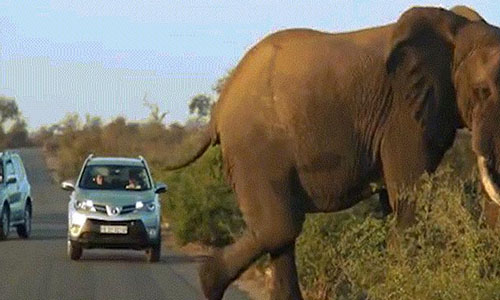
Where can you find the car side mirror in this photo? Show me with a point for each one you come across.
(68, 185)
(160, 188)
(11, 179)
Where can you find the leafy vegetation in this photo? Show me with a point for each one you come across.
(201, 205)
(447, 254)
(13, 127)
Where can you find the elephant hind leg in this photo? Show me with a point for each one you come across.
(226, 264)
(285, 279)
(385, 205)
(273, 223)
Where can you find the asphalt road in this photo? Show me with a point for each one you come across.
(39, 268)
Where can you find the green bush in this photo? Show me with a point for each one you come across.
(200, 204)
(447, 254)
(331, 246)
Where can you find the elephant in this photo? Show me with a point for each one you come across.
(309, 119)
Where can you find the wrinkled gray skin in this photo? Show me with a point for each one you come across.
(309, 119)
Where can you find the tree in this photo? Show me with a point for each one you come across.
(221, 82)
(18, 135)
(8, 110)
(200, 106)
(92, 122)
(155, 115)
(71, 122)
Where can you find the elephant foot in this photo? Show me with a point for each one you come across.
(283, 294)
(213, 279)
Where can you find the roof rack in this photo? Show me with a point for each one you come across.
(6, 152)
(143, 160)
(91, 155)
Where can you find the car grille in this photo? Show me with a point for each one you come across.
(127, 209)
(100, 208)
(124, 209)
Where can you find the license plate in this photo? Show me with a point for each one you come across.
(113, 229)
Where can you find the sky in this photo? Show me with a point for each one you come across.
(101, 57)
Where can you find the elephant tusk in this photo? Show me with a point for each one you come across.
(489, 185)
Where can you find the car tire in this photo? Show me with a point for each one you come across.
(75, 251)
(153, 254)
(24, 230)
(4, 223)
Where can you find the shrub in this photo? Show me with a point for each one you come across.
(447, 254)
(201, 205)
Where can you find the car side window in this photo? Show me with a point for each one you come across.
(9, 168)
(19, 168)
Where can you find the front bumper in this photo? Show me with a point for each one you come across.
(142, 232)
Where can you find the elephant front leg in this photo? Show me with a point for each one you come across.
(405, 158)
(285, 279)
(491, 210)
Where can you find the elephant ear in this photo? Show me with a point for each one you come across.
(467, 13)
(418, 61)
(420, 27)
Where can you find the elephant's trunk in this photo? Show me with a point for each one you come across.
(489, 184)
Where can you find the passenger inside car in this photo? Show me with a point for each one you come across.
(99, 180)
(133, 183)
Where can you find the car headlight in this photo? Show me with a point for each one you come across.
(84, 205)
(145, 206)
(78, 219)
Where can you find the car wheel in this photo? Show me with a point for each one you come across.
(24, 230)
(4, 223)
(75, 251)
(153, 253)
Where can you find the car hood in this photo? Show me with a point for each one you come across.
(114, 198)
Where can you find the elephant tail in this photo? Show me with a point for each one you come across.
(208, 138)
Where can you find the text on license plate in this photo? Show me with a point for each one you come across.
(113, 229)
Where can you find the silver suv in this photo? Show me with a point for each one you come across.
(114, 204)
(15, 196)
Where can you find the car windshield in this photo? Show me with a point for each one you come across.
(108, 177)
